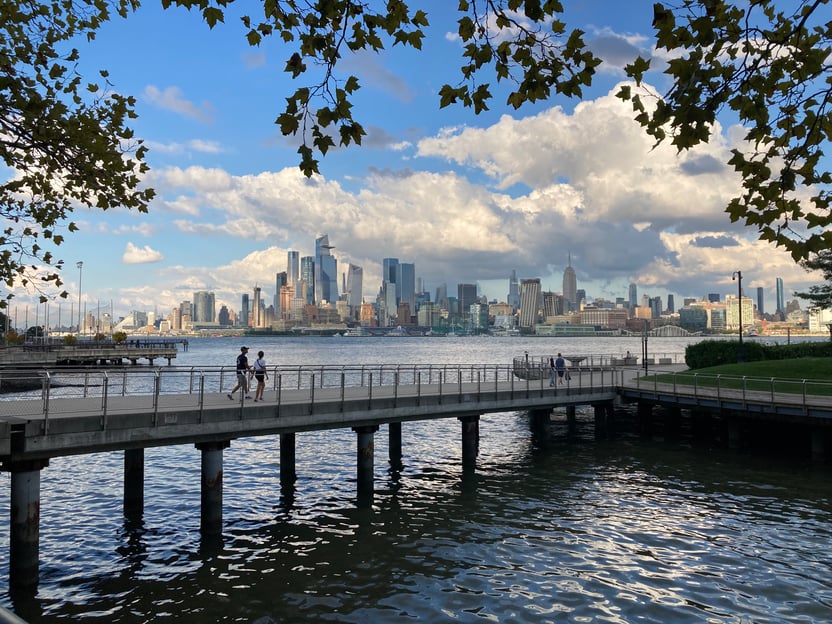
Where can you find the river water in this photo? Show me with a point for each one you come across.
(579, 530)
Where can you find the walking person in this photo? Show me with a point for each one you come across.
(551, 371)
(260, 375)
(560, 367)
(243, 369)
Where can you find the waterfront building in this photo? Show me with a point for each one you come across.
(732, 315)
(570, 286)
(693, 319)
(608, 318)
(553, 304)
(479, 317)
(531, 300)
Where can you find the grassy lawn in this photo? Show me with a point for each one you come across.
(790, 376)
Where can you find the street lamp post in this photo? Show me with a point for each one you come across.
(80, 265)
(738, 276)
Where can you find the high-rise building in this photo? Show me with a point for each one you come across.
(467, 295)
(570, 286)
(713, 297)
(292, 268)
(406, 284)
(326, 271)
(441, 298)
(760, 300)
(633, 295)
(530, 301)
(243, 320)
(671, 304)
(203, 308)
(307, 277)
(781, 296)
(355, 286)
(513, 291)
(281, 279)
(256, 319)
(388, 269)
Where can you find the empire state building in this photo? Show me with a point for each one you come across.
(570, 286)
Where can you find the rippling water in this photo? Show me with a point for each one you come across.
(578, 530)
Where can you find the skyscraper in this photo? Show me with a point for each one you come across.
(203, 308)
(280, 280)
(293, 267)
(243, 320)
(467, 295)
(513, 291)
(307, 280)
(355, 286)
(256, 318)
(781, 297)
(570, 286)
(326, 271)
(633, 296)
(406, 284)
(530, 300)
(671, 304)
(760, 300)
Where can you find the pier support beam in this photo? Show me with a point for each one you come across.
(733, 433)
(365, 450)
(133, 499)
(571, 422)
(603, 419)
(470, 439)
(288, 475)
(211, 491)
(394, 431)
(24, 525)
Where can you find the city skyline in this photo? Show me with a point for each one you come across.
(466, 198)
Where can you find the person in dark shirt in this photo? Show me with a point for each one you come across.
(243, 369)
(560, 367)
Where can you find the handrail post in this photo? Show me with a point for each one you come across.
(201, 394)
(157, 388)
(47, 384)
(370, 390)
(459, 384)
(343, 381)
(440, 387)
(418, 387)
(479, 386)
(396, 388)
(312, 393)
(104, 394)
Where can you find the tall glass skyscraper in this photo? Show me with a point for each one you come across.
(355, 286)
(307, 280)
(781, 297)
(633, 296)
(513, 291)
(326, 271)
(530, 301)
(293, 268)
(406, 285)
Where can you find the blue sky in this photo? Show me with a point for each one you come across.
(466, 198)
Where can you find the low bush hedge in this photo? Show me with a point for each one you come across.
(717, 352)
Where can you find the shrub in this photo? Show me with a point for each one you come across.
(717, 352)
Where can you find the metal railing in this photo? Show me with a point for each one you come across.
(154, 389)
(707, 387)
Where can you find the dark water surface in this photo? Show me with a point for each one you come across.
(581, 530)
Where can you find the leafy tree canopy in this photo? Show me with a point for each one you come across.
(65, 140)
(819, 296)
(69, 144)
